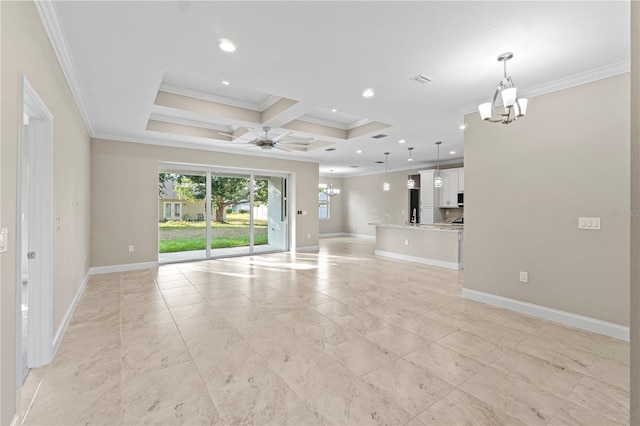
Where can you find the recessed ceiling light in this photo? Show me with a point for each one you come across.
(401, 141)
(452, 152)
(410, 159)
(359, 151)
(225, 82)
(226, 45)
(334, 110)
(462, 127)
(368, 93)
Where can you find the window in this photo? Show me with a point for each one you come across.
(324, 203)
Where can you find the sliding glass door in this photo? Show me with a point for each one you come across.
(208, 213)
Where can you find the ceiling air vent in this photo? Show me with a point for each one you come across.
(421, 78)
(379, 162)
(380, 136)
(354, 167)
(330, 149)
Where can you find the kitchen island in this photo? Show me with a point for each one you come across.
(437, 245)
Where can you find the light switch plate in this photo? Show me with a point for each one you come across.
(4, 239)
(592, 223)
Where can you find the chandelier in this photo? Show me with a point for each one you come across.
(386, 186)
(514, 108)
(411, 183)
(438, 181)
(330, 191)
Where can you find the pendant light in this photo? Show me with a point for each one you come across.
(386, 186)
(438, 181)
(410, 183)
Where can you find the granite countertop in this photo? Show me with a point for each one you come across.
(444, 227)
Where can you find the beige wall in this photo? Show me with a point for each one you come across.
(635, 207)
(26, 50)
(124, 173)
(334, 224)
(365, 202)
(527, 183)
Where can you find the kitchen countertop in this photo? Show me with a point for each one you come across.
(443, 227)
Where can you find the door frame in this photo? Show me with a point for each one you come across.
(40, 134)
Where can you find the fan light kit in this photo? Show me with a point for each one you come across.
(514, 108)
(368, 93)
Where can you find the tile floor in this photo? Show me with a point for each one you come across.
(336, 337)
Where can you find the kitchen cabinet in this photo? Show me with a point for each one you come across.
(429, 198)
(460, 180)
(449, 190)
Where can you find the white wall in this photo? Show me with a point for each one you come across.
(26, 50)
(126, 174)
(527, 183)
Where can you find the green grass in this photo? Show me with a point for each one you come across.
(200, 243)
(233, 220)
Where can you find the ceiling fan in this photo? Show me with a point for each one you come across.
(267, 142)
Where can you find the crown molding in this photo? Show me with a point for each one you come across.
(224, 100)
(590, 76)
(52, 26)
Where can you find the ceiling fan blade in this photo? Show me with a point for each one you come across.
(255, 133)
(305, 141)
(301, 148)
(234, 137)
(282, 149)
(280, 136)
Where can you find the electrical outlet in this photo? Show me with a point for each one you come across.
(406, 242)
(524, 277)
(308, 235)
(131, 248)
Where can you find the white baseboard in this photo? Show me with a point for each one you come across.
(370, 237)
(307, 248)
(122, 268)
(567, 318)
(333, 235)
(423, 260)
(67, 316)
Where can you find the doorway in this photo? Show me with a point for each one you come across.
(224, 212)
(34, 291)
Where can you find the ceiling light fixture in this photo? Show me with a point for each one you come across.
(334, 110)
(368, 93)
(330, 190)
(410, 183)
(463, 126)
(359, 151)
(452, 152)
(514, 108)
(401, 141)
(225, 82)
(438, 181)
(386, 186)
(226, 45)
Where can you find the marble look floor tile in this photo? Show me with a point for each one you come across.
(611, 372)
(427, 327)
(473, 346)
(246, 314)
(160, 390)
(445, 363)
(410, 386)
(327, 334)
(216, 292)
(538, 372)
(496, 333)
(451, 317)
(301, 416)
(513, 396)
(141, 358)
(143, 319)
(202, 324)
(179, 291)
(186, 300)
(192, 311)
(151, 334)
(617, 350)
(397, 340)
(571, 414)
(200, 411)
(460, 408)
(559, 352)
(361, 355)
(603, 398)
(584, 339)
(301, 319)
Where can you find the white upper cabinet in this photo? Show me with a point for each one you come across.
(453, 181)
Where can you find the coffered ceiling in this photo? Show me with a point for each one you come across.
(153, 71)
